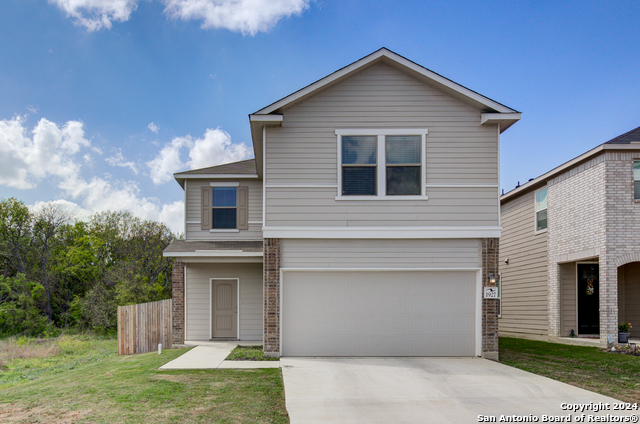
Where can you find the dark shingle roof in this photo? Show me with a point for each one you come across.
(626, 138)
(243, 167)
(192, 246)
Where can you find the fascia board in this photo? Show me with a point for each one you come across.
(212, 254)
(504, 119)
(215, 176)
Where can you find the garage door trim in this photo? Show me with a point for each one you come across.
(478, 271)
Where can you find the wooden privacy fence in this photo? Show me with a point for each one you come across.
(141, 327)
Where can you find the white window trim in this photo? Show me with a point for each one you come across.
(381, 164)
(535, 212)
(633, 168)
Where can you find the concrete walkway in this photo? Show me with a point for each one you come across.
(212, 355)
(422, 390)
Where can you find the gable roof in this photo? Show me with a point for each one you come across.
(621, 142)
(271, 115)
(241, 169)
(385, 55)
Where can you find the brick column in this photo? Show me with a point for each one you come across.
(489, 306)
(177, 304)
(272, 297)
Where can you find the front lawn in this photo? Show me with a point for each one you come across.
(590, 368)
(249, 353)
(86, 382)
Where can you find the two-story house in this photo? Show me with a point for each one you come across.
(367, 225)
(570, 247)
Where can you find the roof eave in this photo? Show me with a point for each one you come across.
(181, 177)
(505, 120)
(258, 122)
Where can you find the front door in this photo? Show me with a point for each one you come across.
(588, 299)
(224, 308)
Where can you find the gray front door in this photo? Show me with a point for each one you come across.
(224, 308)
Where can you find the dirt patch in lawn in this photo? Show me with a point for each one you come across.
(14, 414)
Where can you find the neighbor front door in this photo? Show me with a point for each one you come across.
(588, 299)
(224, 308)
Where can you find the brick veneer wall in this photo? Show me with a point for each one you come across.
(177, 304)
(271, 256)
(490, 253)
(623, 231)
(577, 217)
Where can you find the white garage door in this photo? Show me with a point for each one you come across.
(379, 313)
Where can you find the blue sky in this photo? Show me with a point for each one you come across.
(80, 86)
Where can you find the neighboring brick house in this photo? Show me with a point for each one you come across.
(570, 246)
(365, 226)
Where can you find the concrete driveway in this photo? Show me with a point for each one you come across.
(422, 390)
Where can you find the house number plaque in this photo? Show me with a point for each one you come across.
(490, 292)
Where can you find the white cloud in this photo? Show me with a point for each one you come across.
(153, 127)
(54, 152)
(97, 14)
(25, 160)
(245, 16)
(213, 149)
(119, 160)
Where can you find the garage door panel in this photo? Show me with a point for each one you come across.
(367, 313)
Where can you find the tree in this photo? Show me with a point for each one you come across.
(47, 226)
(15, 235)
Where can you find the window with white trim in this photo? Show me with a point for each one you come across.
(224, 207)
(223, 203)
(384, 163)
(636, 179)
(541, 209)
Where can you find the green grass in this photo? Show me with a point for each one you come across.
(88, 383)
(590, 368)
(249, 353)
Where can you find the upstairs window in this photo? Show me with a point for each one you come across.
(541, 210)
(381, 163)
(403, 165)
(224, 207)
(223, 202)
(359, 164)
(636, 179)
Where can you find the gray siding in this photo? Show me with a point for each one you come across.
(198, 298)
(304, 151)
(375, 253)
(193, 231)
(524, 279)
(568, 299)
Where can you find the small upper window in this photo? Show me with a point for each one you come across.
(636, 179)
(223, 202)
(541, 209)
(359, 163)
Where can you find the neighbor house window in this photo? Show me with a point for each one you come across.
(359, 164)
(223, 202)
(636, 179)
(541, 210)
(379, 163)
